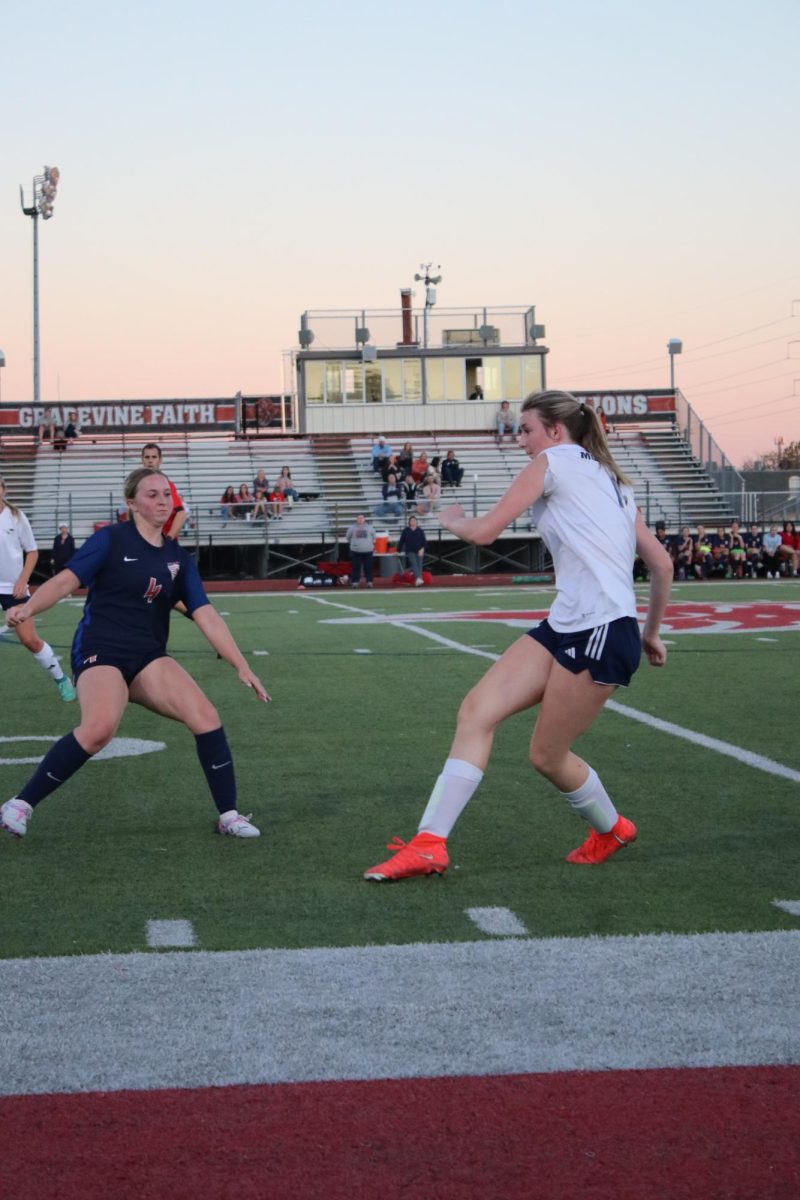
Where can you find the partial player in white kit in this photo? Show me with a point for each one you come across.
(18, 557)
(571, 664)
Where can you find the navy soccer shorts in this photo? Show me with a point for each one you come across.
(610, 653)
(8, 601)
(128, 663)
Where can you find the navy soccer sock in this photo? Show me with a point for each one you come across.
(217, 763)
(58, 765)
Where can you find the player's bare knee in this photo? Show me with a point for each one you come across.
(94, 736)
(472, 714)
(544, 760)
(204, 719)
(30, 641)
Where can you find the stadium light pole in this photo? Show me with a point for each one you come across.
(674, 346)
(44, 194)
(2, 364)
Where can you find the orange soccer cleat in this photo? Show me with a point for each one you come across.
(425, 854)
(600, 846)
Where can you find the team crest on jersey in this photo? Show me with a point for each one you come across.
(153, 588)
(173, 569)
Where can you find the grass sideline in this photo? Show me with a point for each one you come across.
(344, 759)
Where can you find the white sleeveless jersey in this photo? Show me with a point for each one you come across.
(16, 539)
(588, 522)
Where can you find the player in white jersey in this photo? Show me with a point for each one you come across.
(570, 664)
(18, 557)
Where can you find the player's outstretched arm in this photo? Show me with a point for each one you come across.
(659, 564)
(217, 634)
(524, 491)
(44, 597)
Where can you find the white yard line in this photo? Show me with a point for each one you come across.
(748, 757)
(789, 906)
(170, 933)
(497, 921)
(494, 1006)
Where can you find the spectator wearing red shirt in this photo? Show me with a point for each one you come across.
(151, 457)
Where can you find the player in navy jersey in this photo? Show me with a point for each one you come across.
(134, 577)
(572, 663)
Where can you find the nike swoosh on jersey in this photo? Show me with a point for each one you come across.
(126, 559)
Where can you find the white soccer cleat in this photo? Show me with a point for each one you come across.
(14, 816)
(237, 825)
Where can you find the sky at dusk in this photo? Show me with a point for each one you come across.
(629, 168)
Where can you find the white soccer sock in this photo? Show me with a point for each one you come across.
(592, 802)
(450, 796)
(47, 659)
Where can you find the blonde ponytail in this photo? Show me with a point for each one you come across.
(11, 507)
(581, 423)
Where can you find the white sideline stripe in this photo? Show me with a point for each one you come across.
(170, 933)
(505, 1006)
(748, 757)
(362, 651)
(789, 906)
(500, 922)
(260, 652)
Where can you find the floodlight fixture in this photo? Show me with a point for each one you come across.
(45, 187)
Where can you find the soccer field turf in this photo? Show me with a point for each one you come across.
(365, 691)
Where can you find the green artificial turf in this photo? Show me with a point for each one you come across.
(344, 759)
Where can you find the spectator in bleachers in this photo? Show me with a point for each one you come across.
(286, 485)
(476, 393)
(421, 467)
(152, 457)
(381, 452)
(702, 558)
(361, 540)
(435, 469)
(60, 442)
(391, 467)
(431, 491)
(506, 422)
(227, 502)
(260, 483)
(276, 502)
(244, 503)
(684, 557)
(260, 495)
(754, 545)
(63, 549)
(72, 429)
(405, 459)
(392, 502)
(771, 552)
(790, 549)
(413, 544)
(738, 550)
(410, 489)
(452, 471)
(47, 426)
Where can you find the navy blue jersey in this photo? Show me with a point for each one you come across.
(132, 589)
(753, 541)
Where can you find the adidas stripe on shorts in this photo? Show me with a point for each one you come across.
(610, 652)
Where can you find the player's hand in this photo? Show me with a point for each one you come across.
(20, 589)
(16, 615)
(252, 681)
(655, 650)
(453, 512)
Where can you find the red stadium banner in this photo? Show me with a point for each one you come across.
(110, 415)
(630, 406)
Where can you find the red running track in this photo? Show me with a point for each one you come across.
(721, 1133)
